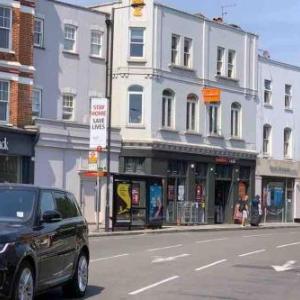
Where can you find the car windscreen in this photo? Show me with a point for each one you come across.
(16, 205)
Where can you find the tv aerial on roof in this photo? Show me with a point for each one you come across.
(225, 7)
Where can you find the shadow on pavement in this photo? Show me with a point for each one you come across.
(92, 291)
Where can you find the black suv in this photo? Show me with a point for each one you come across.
(43, 242)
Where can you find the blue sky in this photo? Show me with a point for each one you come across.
(277, 22)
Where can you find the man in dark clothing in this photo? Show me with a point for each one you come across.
(256, 211)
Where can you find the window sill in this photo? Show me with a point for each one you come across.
(288, 158)
(194, 133)
(140, 60)
(288, 110)
(236, 139)
(133, 126)
(7, 51)
(179, 67)
(222, 77)
(97, 57)
(168, 130)
(266, 156)
(216, 136)
(71, 53)
(266, 105)
(39, 47)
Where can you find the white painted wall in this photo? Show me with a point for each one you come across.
(58, 72)
(276, 115)
(155, 73)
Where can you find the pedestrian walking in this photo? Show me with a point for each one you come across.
(243, 208)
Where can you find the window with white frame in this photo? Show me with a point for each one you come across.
(231, 64)
(175, 49)
(36, 102)
(70, 38)
(5, 27)
(287, 142)
(187, 55)
(288, 96)
(135, 99)
(137, 42)
(213, 119)
(4, 100)
(191, 112)
(267, 139)
(235, 120)
(167, 109)
(68, 107)
(267, 91)
(38, 36)
(96, 43)
(220, 61)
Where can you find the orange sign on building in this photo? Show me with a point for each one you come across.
(137, 6)
(211, 95)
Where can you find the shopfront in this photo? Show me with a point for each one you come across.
(196, 189)
(276, 182)
(16, 155)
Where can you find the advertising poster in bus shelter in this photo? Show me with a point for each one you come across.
(156, 204)
(123, 201)
(135, 194)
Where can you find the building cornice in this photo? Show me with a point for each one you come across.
(278, 63)
(191, 149)
(87, 9)
(158, 74)
(205, 19)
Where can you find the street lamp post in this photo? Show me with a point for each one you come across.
(110, 23)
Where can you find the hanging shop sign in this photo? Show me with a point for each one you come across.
(4, 144)
(98, 123)
(211, 95)
(137, 6)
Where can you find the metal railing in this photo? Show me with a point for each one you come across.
(190, 213)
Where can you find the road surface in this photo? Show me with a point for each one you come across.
(236, 265)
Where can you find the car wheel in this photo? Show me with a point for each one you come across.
(24, 286)
(76, 288)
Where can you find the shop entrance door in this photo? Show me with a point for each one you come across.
(221, 201)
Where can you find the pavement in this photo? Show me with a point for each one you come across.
(228, 265)
(195, 228)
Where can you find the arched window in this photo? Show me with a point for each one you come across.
(191, 112)
(235, 120)
(267, 139)
(135, 102)
(168, 109)
(287, 142)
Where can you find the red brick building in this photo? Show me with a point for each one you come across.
(16, 80)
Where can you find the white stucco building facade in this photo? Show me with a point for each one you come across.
(163, 60)
(278, 168)
(70, 62)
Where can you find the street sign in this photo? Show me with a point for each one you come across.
(98, 123)
(211, 95)
(93, 161)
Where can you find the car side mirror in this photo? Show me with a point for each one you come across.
(51, 216)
